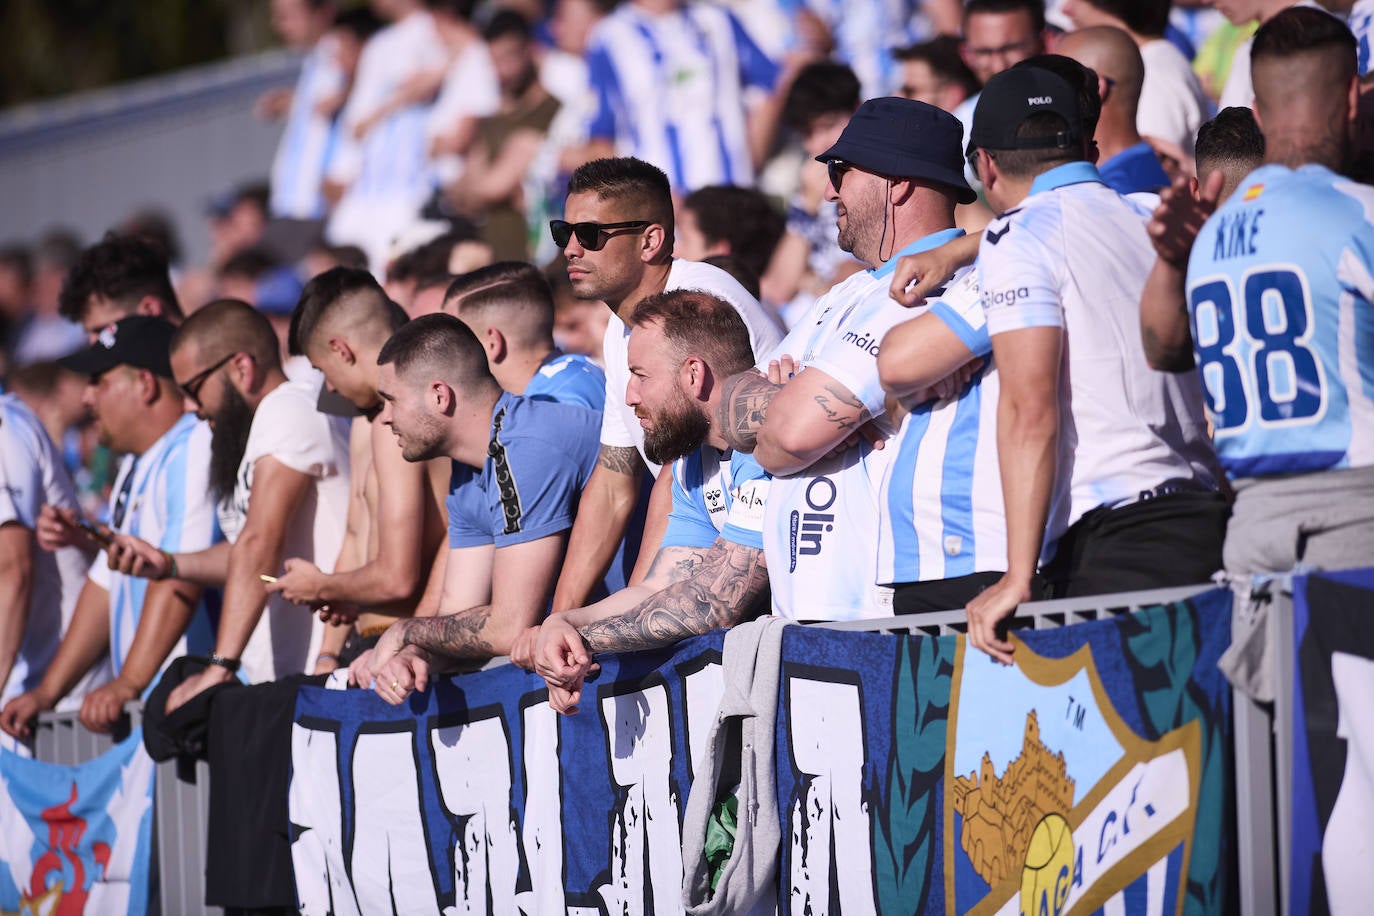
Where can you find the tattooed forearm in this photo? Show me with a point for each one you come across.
(743, 406)
(621, 460)
(673, 564)
(460, 635)
(842, 408)
(727, 585)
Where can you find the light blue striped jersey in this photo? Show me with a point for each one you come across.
(569, 378)
(1361, 22)
(162, 496)
(1281, 297)
(716, 494)
(942, 509)
(670, 90)
(32, 475)
(1074, 255)
(307, 138)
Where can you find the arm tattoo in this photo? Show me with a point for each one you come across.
(728, 585)
(621, 460)
(673, 564)
(744, 399)
(842, 408)
(456, 635)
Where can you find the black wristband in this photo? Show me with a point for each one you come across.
(228, 664)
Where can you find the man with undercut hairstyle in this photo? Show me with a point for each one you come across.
(396, 507)
(709, 570)
(617, 240)
(518, 468)
(117, 277)
(279, 468)
(509, 306)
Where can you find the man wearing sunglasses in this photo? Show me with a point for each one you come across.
(160, 495)
(617, 239)
(280, 471)
(896, 177)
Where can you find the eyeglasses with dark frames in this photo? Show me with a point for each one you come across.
(591, 236)
(191, 387)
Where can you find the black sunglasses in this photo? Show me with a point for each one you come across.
(591, 236)
(191, 387)
(836, 169)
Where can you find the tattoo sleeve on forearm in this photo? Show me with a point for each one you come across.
(728, 584)
(743, 406)
(621, 460)
(458, 635)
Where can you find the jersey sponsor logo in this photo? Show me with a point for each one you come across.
(807, 530)
(715, 499)
(994, 236)
(864, 341)
(999, 297)
(750, 499)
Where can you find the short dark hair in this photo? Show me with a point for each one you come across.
(1300, 29)
(514, 289)
(322, 295)
(358, 21)
(637, 183)
(1232, 137)
(820, 88)
(441, 342)
(347, 255)
(230, 326)
(1146, 17)
(1023, 163)
(744, 274)
(504, 23)
(122, 269)
(155, 227)
(941, 55)
(1035, 9)
(459, 9)
(744, 217)
(250, 263)
(699, 323)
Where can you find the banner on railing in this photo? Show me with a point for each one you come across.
(76, 839)
(911, 776)
(1333, 744)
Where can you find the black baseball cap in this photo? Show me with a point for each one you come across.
(1012, 96)
(141, 341)
(903, 138)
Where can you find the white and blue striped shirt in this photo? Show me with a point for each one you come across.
(708, 486)
(669, 90)
(307, 139)
(942, 511)
(1361, 22)
(162, 496)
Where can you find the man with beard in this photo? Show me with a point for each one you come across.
(519, 466)
(341, 323)
(709, 570)
(162, 495)
(280, 470)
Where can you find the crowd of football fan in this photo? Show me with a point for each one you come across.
(552, 337)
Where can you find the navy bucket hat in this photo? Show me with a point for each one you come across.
(903, 138)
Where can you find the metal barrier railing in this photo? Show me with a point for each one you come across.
(180, 809)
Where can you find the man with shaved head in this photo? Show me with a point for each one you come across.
(341, 322)
(509, 306)
(518, 468)
(1128, 164)
(279, 468)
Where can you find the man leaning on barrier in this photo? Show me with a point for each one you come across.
(709, 570)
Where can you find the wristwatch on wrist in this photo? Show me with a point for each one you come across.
(228, 664)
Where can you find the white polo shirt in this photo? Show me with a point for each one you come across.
(1075, 255)
(619, 426)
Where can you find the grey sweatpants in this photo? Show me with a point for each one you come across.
(1323, 519)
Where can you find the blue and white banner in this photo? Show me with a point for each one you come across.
(1333, 744)
(76, 839)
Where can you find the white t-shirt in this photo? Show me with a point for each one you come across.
(1075, 255)
(820, 528)
(619, 426)
(287, 427)
(1172, 103)
(31, 475)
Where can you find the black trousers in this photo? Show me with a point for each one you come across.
(1155, 543)
(949, 594)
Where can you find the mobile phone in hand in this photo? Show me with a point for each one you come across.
(100, 537)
